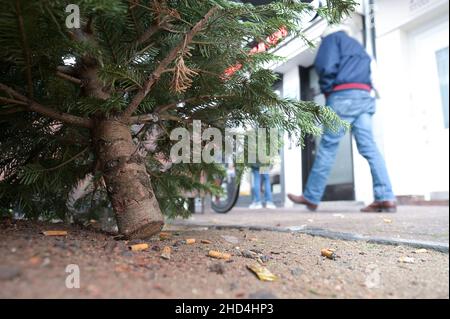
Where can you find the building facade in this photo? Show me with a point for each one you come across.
(409, 41)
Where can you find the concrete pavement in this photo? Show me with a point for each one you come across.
(420, 226)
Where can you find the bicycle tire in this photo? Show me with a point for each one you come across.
(223, 209)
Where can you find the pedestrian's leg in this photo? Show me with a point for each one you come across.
(326, 155)
(362, 130)
(267, 188)
(256, 189)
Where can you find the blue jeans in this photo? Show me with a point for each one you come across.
(256, 187)
(356, 107)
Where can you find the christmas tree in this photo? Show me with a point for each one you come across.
(93, 88)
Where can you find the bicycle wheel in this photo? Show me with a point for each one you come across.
(224, 203)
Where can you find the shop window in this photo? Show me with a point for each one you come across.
(442, 64)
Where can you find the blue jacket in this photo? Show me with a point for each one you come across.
(341, 60)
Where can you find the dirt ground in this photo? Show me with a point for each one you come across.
(34, 266)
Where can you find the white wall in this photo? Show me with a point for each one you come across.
(394, 14)
(414, 141)
(292, 153)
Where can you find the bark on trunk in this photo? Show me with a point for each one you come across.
(127, 181)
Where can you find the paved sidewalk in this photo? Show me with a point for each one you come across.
(426, 226)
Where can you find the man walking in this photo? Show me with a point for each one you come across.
(343, 67)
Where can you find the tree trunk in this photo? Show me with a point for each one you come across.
(127, 182)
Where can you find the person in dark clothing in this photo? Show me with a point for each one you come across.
(344, 70)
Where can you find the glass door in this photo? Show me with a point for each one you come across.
(340, 184)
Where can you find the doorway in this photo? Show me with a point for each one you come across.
(341, 185)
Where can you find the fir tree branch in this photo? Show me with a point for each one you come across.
(69, 78)
(51, 113)
(131, 6)
(175, 118)
(148, 34)
(11, 101)
(12, 111)
(147, 118)
(154, 28)
(67, 69)
(108, 43)
(144, 119)
(88, 64)
(154, 117)
(167, 107)
(154, 77)
(65, 162)
(25, 48)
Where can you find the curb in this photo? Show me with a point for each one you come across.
(320, 232)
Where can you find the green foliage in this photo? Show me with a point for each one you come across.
(42, 159)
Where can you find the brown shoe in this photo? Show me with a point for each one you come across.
(302, 201)
(381, 207)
